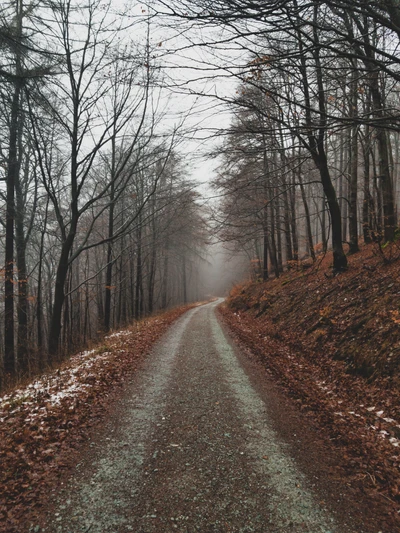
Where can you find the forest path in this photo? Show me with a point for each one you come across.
(202, 441)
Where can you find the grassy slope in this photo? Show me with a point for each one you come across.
(334, 343)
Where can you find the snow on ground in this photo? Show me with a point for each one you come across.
(58, 385)
(123, 333)
(369, 411)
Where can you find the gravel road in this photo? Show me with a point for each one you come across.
(202, 441)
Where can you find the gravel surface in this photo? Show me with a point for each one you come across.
(201, 441)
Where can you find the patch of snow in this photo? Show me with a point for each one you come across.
(65, 383)
(87, 353)
(69, 391)
(122, 333)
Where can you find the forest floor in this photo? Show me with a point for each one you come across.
(199, 439)
(43, 425)
(330, 343)
(333, 343)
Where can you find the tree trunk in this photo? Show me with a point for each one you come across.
(151, 281)
(20, 242)
(184, 280)
(139, 274)
(109, 269)
(353, 185)
(324, 238)
(59, 295)
(164, 294)
(272, 248)
(307, 217)
(339, 257)
(12, 176)
(367, 198)
(265, 241)
(276, 207)
(389, 218)
(265, 254)
(39, 304)
(286, 222)
(293, 221)
(316, 144)
(132, 283)
(153, 255)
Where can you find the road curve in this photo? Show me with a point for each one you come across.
(193, 448)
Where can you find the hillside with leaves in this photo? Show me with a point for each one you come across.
(333, 342)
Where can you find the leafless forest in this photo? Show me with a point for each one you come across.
(101, 220)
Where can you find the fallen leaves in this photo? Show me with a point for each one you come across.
(42, 424)
(334, 344)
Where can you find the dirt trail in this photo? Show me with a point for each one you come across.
(202, 441)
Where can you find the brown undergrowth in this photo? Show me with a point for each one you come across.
(44, 424)
(334, 343)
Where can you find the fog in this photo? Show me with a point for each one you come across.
(221, 271)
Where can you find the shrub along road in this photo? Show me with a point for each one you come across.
(202, 440)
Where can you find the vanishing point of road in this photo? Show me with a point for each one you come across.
(201, 441)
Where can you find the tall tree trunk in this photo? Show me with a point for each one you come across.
(285, 197)
(120, 306)
(353, 182)
(378, 196)
(184, 280)
(316, 137)
(109, 268)
(293, 221)
(265, 274)
(165, 280)
(22, 308)
(99, 293)
(153, 255)
(59, 294)
(13, 168)
(367, 199)
(265, 239)
(367, 206)
(307, 216)
(12, 176)
(389, 219)
(86, 323)
(139, 274)
(286, 222)
(272, 248)
(108, 287)
(268, 207)
(339, 257)
(21, 243)
(39, 304)
(342, 180)
(151, 277)
(324, 238)
(132, 282)
(277, 210)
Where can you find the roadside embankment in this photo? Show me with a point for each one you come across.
(45, 424)
(333, 342)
